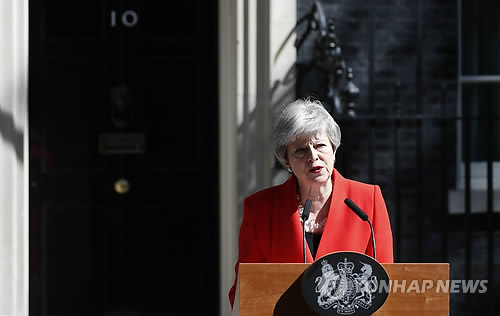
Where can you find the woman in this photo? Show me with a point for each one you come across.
(306, 139)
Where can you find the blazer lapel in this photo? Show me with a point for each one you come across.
(287, 245)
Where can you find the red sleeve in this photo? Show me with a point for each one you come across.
(382, 229)
(248, 246)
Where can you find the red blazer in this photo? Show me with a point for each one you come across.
(271, 231)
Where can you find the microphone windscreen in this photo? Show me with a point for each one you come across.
(307, 210)
(356, 209)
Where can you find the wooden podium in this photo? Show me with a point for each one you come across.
(266, 289)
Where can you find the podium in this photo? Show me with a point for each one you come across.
(266, 289)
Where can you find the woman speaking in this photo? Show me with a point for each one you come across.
(306, 139)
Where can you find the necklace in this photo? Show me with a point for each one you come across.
(310, 225)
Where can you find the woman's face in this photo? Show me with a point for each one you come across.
(311, 160)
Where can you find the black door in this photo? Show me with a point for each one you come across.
(124, 157)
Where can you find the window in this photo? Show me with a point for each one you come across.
(478, 102)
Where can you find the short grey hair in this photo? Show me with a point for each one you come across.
(303, 118)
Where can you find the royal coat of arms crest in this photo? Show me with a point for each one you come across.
(347, 286)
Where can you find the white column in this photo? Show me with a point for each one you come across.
(14, 214)
(283, 57)
(256, 67)
(228, 218)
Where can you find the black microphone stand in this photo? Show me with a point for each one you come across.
(373, 240)
(364, 217)
(305, 216)
(304, 239)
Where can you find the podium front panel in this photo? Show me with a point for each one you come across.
(267, 289)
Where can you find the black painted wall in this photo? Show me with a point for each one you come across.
(404, 58)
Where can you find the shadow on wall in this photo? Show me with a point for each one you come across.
(11, 134)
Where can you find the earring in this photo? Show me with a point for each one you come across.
(289, 170)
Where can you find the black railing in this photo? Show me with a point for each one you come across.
(431, 234)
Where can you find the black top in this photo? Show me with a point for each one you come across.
(313, 242)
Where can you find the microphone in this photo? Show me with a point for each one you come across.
(307, 210)
(356, 209)
(305, 216)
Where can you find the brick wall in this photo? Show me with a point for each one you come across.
(404, 58)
